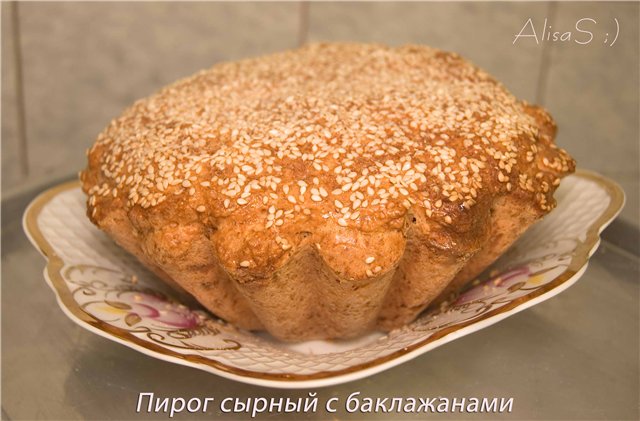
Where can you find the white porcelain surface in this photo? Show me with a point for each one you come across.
(107, 291)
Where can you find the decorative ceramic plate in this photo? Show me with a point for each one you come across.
(106, 290)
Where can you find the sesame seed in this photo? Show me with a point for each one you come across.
(245, 264)
(392, 153)
(369, 260)
(201, 208)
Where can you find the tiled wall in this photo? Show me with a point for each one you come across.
(68, 68)
(82, 63)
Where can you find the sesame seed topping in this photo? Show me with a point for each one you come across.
(388, 130)
(369, 260)
(245, 264)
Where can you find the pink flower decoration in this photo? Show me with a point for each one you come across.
(143, 306)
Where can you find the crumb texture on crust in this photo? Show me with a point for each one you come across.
(308, 192)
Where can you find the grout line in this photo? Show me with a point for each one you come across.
(20, 108)
(545, 61)
(303, 29)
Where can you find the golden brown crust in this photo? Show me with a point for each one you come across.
(308, 191)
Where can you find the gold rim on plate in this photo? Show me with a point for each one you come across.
(55, 265)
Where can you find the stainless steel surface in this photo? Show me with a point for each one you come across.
(572, 357)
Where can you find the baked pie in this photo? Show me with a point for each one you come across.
(326, 191)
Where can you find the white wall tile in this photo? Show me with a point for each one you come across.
(481, 32)
(85, 62)
(593, 92)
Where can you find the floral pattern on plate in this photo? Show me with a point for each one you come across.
(109, 292)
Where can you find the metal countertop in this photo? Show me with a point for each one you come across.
(575, 356)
